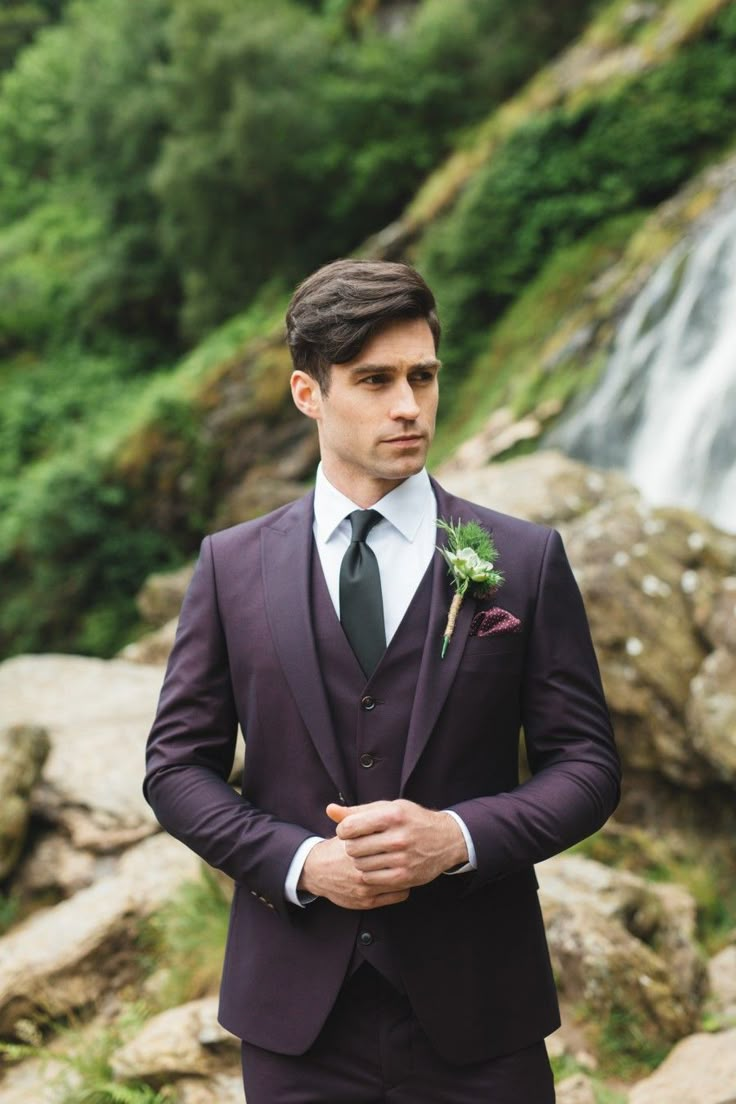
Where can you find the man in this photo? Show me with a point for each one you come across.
(386, 942)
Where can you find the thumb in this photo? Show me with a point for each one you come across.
(337, 813)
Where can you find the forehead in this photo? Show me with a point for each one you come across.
(403, 342)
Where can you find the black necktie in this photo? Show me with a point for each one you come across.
(361, 604)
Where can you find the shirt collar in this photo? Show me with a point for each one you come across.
(404, 507)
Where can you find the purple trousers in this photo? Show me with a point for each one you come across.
(373, 1051)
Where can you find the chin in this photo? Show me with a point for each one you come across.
(409, 467)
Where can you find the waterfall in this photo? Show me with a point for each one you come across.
(665, 409)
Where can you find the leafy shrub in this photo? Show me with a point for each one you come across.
(201, 150)
(291, 141)
(563, 173)
(80, 129)
(67, 546)
(20, 20)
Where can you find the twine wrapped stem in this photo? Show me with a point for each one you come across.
(457, 601)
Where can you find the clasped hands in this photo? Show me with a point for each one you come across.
(380, 851)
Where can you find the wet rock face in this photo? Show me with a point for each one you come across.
(153, 648)
(67, 956)
(711, 712)
(23, 751)
(160, 597)
(622, 945)
(659, 590)
(97, 714)
(183, 1041)
(700, 1070)
(577, 1089)
(545, 487)
(722, 978)
(646, 576)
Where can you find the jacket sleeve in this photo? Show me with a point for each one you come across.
(190, 753)
(575, 783)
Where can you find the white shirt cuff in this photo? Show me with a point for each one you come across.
(472, 863)
(292, 894)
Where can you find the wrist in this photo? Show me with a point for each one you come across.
(455, 851)
(308, 878)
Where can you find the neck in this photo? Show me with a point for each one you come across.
(364, 492)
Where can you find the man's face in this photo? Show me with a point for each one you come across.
(376, 421)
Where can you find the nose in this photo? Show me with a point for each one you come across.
(404, 407)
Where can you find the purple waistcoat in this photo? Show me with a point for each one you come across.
(371, 720)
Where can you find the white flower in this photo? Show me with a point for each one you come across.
(469, 570)
(467, 564)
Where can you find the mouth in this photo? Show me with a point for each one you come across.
(405, 439)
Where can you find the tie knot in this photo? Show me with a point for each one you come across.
(362, 522)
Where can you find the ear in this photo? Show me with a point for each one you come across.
(306, 393)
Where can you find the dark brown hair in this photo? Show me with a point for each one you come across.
(336, 310)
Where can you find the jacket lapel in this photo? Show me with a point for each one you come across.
(286, 548)
(436, 675)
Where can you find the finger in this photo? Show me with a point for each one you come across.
(337, 812)
(390, 898)
(379, 861)
(387, 880)
(367, 820)
(379, 900)
(376, 844)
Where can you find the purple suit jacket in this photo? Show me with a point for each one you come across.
(471, 947)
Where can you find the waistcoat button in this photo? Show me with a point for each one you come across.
(365, 938)
(367, 703)
(367, 760)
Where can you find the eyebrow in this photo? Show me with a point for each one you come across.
(430, 362)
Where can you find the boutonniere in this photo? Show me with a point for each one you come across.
(470, 556)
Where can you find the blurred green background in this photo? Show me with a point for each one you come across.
(170, 168)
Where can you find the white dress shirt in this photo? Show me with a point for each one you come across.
(403, 544)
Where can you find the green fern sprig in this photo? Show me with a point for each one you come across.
(470, 555)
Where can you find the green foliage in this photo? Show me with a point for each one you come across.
(566, 1066)
(80, 129)
(183, 149)
(33, 105)
(77, 534)
(45, 263)
(186, 939)
(20, 20)
(625, 1046)
(9, 910)
(562, 174)
(677, 857)
(469, 534)
(511, 371)
(67, 546)
(307, 139)
(50, 405)
(605, 1095)
(109, 1092)
(86, 1076)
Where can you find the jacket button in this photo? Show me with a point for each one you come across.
(367, 703)
(367, 760)
(365, 938)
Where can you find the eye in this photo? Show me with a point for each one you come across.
(376, 379)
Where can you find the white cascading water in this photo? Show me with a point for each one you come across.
(665, 409)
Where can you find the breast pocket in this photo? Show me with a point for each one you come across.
(502, 650)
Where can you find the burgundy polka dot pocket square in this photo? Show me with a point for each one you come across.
(492, 621)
